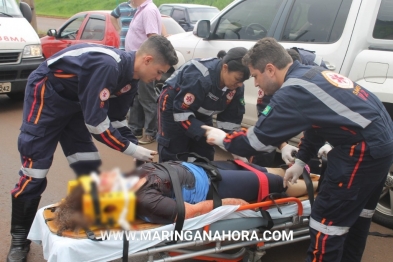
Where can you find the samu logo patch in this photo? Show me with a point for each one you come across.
(267, 110)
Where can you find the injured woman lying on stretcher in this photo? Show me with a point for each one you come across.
(156, 202)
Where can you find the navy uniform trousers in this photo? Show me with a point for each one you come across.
(47, 120)
(341, 215)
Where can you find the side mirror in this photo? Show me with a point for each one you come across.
(202, 29)
(182, 21)
(26, 11)
(52, 32)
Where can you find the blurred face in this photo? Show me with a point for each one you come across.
(136, 3)
(150, 70)
(231, 79)
(266, 81)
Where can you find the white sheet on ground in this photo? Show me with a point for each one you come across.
(59, 249)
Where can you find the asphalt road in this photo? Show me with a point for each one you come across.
(377, 249)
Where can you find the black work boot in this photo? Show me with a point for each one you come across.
(23, 213)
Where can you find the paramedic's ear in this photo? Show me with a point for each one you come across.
(214, 136)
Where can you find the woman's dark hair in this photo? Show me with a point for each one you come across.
(294, 54)
(69, 215)
(233, 58)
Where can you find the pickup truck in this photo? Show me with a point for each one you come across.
(354, 38)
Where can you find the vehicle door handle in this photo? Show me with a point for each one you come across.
(68, 45)
(329, 66)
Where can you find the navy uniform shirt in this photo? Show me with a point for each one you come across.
(199, 97)
(327, 106)
(99, 81)
(307, 58)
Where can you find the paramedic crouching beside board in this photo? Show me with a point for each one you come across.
(332, 108)
(82, 91)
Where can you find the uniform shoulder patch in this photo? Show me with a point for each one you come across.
(189, 99)
(231, 94)
(337, 79)
(267, 110)
(261, 93)
(242, 101)
(125, 89)
(104, 94)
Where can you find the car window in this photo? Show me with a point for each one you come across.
(383, 28)
(165, 10)
(94, 29)
(178, 15)
(249, 20)
(317, 21)
(10, 7)
(196, 14)
(71, 30)
(171, 26)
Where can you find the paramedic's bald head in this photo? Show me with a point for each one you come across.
(154, 58)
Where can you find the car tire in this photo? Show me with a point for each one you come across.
(384, 211)
(19, 96)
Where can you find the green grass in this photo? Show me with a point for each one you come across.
(67, 8)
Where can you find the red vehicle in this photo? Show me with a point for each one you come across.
(84, 27)
(91, 27)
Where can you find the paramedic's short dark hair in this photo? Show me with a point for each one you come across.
(294, 54)
(234, 60)
(265, 51)
(160, 48)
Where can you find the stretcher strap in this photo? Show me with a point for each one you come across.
(263, 181)
(215, 177)
(181, 210)
(309, 186)
(96, 202)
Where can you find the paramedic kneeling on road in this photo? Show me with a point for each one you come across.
(192, 95)
(81, 91)
(332, 108)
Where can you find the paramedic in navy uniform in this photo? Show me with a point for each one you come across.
(328, 107)
(194, 93)
(82, 91)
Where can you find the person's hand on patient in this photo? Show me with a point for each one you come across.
(323, 151)
(214, 136)
(144, 154)
(287, 153)
(294, 172)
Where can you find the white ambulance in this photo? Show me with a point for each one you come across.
(20, 48)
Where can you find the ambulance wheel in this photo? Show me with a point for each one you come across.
(384, 211)
(17, 96)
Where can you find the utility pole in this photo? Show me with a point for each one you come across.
(34, 18)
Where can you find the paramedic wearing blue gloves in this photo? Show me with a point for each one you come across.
(332, 108)
(82, 91)
(192, 95)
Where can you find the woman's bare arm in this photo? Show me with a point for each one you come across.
(207, 206)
